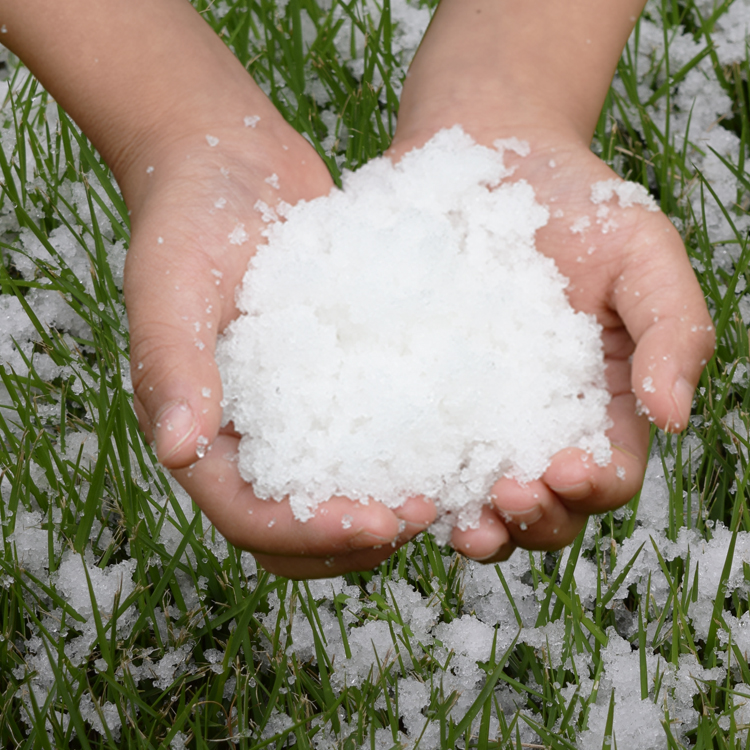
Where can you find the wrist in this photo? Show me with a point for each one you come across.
(532, 64)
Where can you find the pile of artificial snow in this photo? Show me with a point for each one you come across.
(403, 337)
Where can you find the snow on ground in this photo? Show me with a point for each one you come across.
(485, 621)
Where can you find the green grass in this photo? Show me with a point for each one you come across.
(266, 655)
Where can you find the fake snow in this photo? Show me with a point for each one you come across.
(403, 337)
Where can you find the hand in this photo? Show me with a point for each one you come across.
(193, 236)
(164, 101)
(505, 70)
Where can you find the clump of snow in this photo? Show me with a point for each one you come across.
(627, 193)
(106, 584)
(404, 337)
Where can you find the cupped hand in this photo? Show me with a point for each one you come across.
(505, 70)
(628, 267)
(197, 221)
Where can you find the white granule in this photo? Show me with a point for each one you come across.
(273, 181)
(403, 337)
(628, 194)
(251, 121)
(580, 225)
(212, 140)
(238, 236)
(648, 384)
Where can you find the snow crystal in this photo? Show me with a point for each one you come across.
(409, 319)
(238, 236)
(628, 194)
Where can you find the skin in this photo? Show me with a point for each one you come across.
(148, 81)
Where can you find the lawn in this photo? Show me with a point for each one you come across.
(128, 621)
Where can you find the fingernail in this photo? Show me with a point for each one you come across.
(682, 397)
(573, 491)
(522, 518)
(367, 540)
(174, 424)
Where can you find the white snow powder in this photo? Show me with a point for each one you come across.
(403, 337)
(628, 194)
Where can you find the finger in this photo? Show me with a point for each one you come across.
(339, 526)
(490, 542)
(534, 516)
(415, 515)
(661, 303)
(586, 487)
(174, 310)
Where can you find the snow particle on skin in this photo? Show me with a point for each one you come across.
(620, 472)
(648, 385)
(273, 181)
(251, 121)
(641, 409)
(201, 446)
(346, 521)
(628, 194)
(206, 392)
(551, 164)
(140, 365)
(580, 225)
(212, 140)
(199, 345)
(3, 29)
(220, 203)
(218, 274)
(224, 172)
(160, 240)
(149, 170)
(238, 235)
(271, 523)
(267, 214)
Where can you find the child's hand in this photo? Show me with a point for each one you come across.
(513, 69)
(193, 236)
(630, 269)
(165, 102)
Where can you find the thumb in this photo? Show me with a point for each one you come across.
(662, 305)
(174, 306)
